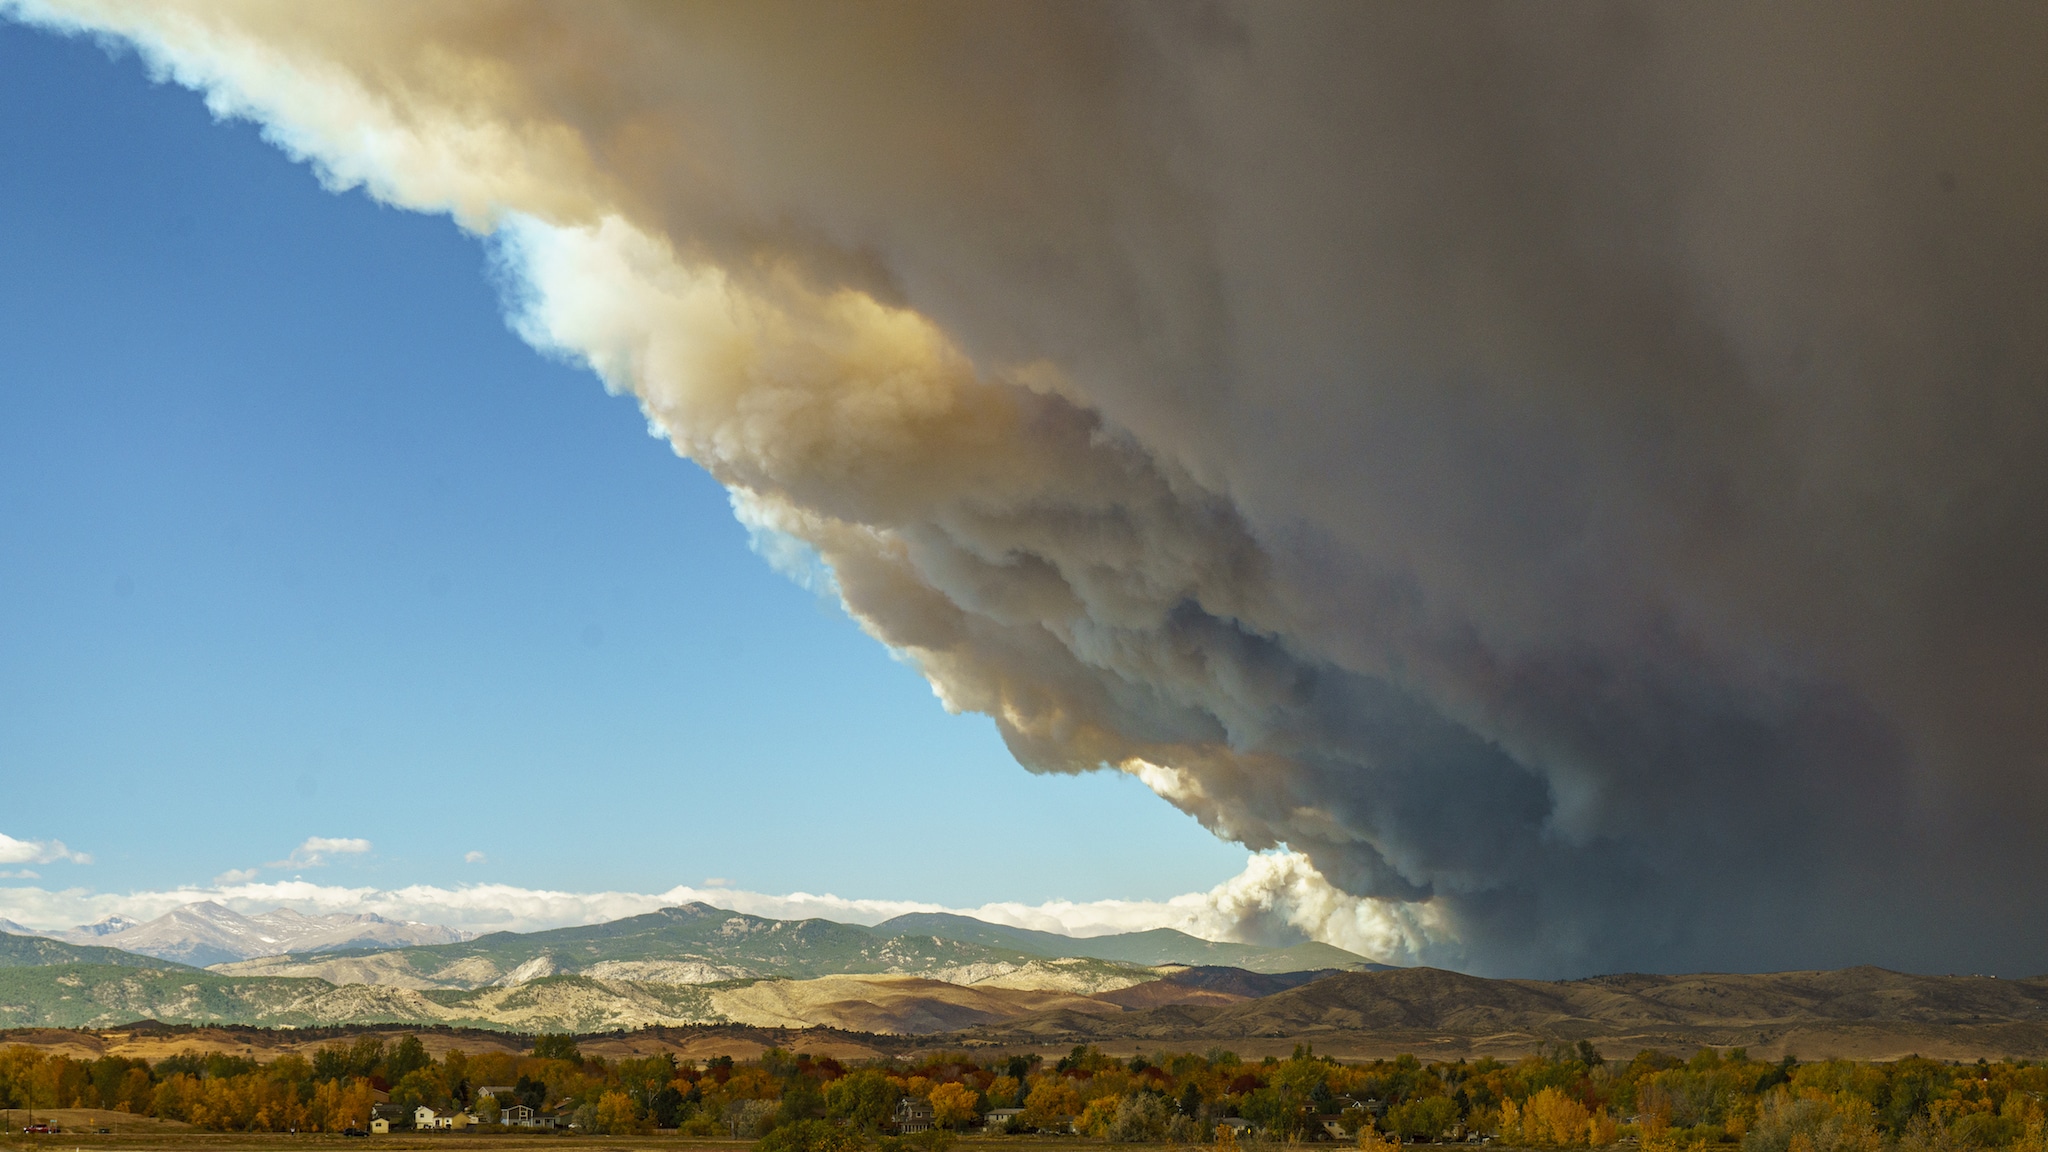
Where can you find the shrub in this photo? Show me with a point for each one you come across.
(809, 1136)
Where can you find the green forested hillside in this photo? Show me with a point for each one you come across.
(691, 944)
(1158, 946)
(35, 951)
(793, 948)
(89, 995)
(98, 995)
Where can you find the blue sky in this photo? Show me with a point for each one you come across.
(297, 539)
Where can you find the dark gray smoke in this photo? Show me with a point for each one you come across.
(1577, 472)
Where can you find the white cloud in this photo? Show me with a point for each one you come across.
(14, 851)
(22, 874)
(237, 876)
(472, 857)
(1279, 898)
(317, 850)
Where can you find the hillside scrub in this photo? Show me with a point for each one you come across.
(1567, 1097)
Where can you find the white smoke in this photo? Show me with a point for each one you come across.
(1571, 476)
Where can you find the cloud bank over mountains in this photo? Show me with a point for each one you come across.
(1279, 899)
(1574, 476)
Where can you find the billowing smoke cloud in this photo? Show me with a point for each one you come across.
(1576, 475)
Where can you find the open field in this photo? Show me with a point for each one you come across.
(1962, 1042)
(176, 1138)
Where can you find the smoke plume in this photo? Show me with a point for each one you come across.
(1575, 475)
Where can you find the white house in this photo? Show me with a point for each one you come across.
(425, 1119)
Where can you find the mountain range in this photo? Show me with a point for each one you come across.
(681, 965)
(695, 944)
(699, 944)
(208, 933)
(955, 980)
(1864, 1013)
(1157, 946)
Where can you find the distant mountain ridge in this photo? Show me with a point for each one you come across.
(658, 946)
(1866, 1012)
(24, 950)
(1151, 948)
(688, 944)
(690, 964)
(206, 933)
(699, 944)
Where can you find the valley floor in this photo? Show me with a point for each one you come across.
(178, 1138)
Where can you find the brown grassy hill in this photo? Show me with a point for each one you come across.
(1866, 993)
(1865, 1012)
(899, 1004)
(1429, 999)
(1206, 984)
(152, 1041)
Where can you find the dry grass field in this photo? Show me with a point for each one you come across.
(158, 1136)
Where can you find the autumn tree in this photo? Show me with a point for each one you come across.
(953, 1105)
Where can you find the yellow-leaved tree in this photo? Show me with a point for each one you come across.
(1096, 1117)
(953, 1105)
(1051, 1103)
(616, 1115)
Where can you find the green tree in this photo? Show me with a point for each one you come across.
(550, 1046)
(1427, 1118)
(809, 1136)
(408, 1057)
(666, 1107)
(865, 1099)
(417, 1087)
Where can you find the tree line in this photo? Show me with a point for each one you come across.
(1565, 1097)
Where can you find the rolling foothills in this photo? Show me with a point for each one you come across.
(816, 1036)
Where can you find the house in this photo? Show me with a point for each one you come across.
(521, 1116)
(425, 1119)
(999, 1119)
(488, 1099)
(1236, 1124)
(379, 1126)
(913, 1115)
